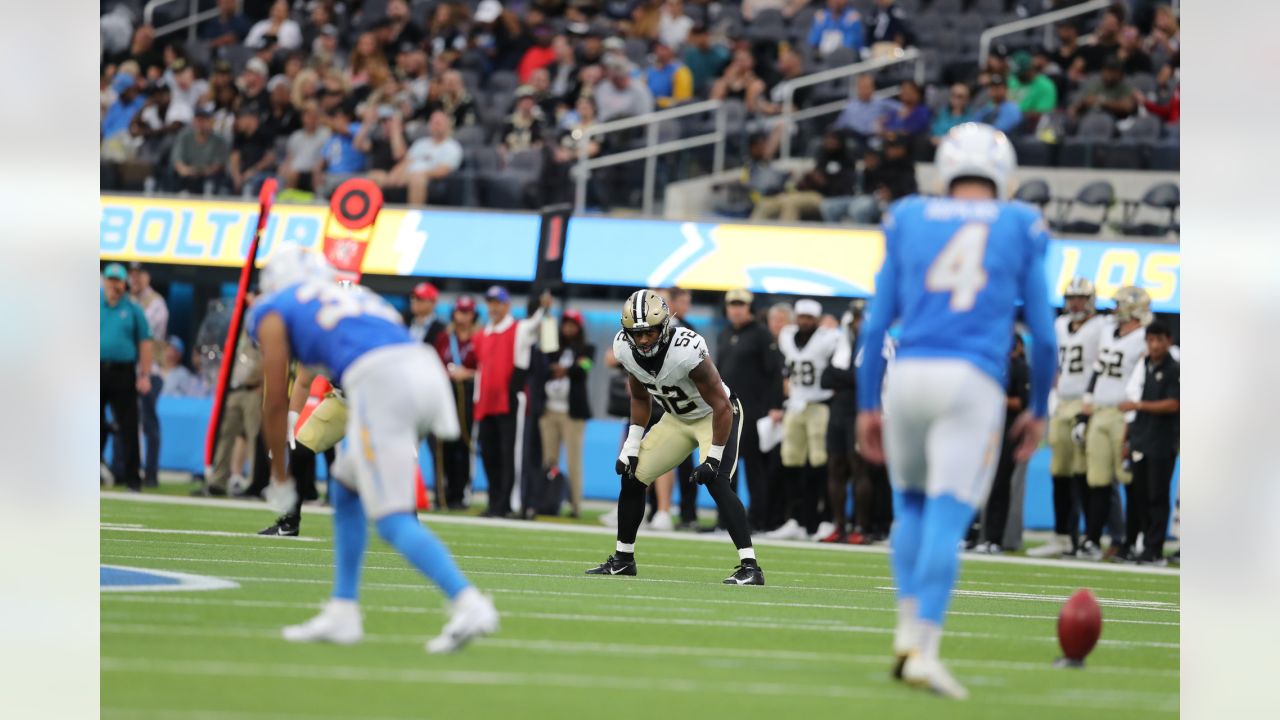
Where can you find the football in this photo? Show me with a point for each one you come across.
(1079, 626)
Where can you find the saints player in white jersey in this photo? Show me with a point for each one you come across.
(806, 351)
(1079, 331)
(1122, 346)
(672, 366)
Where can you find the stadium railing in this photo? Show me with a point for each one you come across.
(790, 115)
(189, 23)
(1047, 19)
(652, 148)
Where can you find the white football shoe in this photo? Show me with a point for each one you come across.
(824, 529)
(931, 675)
(473, 616)
(790, 530)
(339, 622)
(1053, 548)
(661, 522)
(610, 519)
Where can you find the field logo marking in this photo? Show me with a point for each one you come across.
(117, 578)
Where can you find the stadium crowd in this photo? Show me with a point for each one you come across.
(484, 104)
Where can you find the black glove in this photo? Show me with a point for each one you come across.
(1080, 428)
(628, 469)
(705, 474)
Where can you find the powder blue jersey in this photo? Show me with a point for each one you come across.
(954, 272)
(330, 326)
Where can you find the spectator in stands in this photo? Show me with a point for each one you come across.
(1108, 93)
(558, 184)
(617, 96)
(706, 60)
(253, 155)
(1067, 55)
(1106, 42)
(225, 101)
(669, 81)
(1132, 57)
(790, 67)
(411, 68)
(158, 124)
(524, 127)
(339, 158)
(450, 96)
(954, 113)
(456, 346)
(325, 50)
(673, 24)
(563, 71)
(911, 119)
(277, 24)
(199, 156)
(1000, 112)
(1035, 94)
(1169, 112)
(116, 145)
(124, 360)
(835, 27)
(889, 25)
(1162, 43)
(500, 34)
(176, 380)
(382, 139)
(253, 83)
(230, 27)
(886, 177)
(739, 81)
(591, 50)
(282, 117)
(432, 157)
(303, 148)
(367, 65)
(568, 407)
(116, 26)
(551, 106)
(865, 114)
(156, 311)
(539, 55)
(788, 8)
(185, 89)
(832, 176)
(401, 28)
(219, 77)
(144, 51)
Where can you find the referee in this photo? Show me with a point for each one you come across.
(124, 367)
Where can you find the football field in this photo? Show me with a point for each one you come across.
(673, 642)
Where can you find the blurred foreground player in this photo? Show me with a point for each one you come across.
(954, 270)
(396, 390)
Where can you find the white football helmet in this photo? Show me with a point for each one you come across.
(976, 150)
(291, 264)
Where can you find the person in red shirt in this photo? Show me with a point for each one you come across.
(456, 346)
(1170, 112)
(539, 55)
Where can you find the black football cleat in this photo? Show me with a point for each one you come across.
(899, 662)
(284, 526)
(748, 573)
(614, 566)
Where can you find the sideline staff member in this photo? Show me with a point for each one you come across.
(1153, 441)
(124, 367)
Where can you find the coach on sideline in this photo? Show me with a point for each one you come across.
(124, 367)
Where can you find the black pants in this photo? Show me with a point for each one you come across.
(151, 432)
(998, 501)
(118, 389)
(455, 455)
(883, 515)
(1157, 472)
(754, 464)
(498, 453)
(845, 466)
(777, 506)
(688, 490)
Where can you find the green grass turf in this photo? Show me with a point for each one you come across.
(674, 641)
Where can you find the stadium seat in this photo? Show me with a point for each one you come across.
(1096, 127)
(1144, 128)
(1032, 152)
(1121, 154)
(768, 26)
(1076, 152)
(525, 162)
(1035, 192)
(637, 50)
(470, 136)
(1097, 194)
(503, 81)
(1144, 82)
(1164, 197)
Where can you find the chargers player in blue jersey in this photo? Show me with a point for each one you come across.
(955, 270)
(397, 392)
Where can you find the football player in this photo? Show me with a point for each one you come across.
(673, 367)
(397, 392)
(1079, 330)
(1101, 422)
(806, 351)
(954, 271)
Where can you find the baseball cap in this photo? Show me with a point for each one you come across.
(135, 265)
(575, 316)
(114, 271)
(121, 82)
(204, 110)
(525, 91)
(614, 43)
(738, 295)
(257, 65)
(488, 11)
(222, 66)
(425, 291)
(497, 292)
(465, 302)
(330, 30)
(812, 308)
(176, 343)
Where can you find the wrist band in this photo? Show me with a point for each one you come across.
(635, 434)
(716, 452)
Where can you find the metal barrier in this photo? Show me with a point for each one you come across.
(984, 41)
(789, 113)
(652, 148)
(191, 22)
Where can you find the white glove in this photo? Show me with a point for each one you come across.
(281, 495)
(293, 423)
(1079, 429)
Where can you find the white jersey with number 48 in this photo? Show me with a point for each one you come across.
(805, 364)
(671, 385)
(1117, 357)
(1077, 354)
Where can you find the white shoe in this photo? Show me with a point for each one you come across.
(339, 622)
(105, 477)
(980, 548)
(610, 519)
(661, 522)
(932, 676)
(473, 616)
(790, 530)
(1089, 550)
(281, 496)
(1053, 548)
(824, 529)
(237, 484)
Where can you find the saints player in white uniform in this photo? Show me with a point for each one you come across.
(672, 366)
(1123, 343)
(807, 350)
(1079, 331)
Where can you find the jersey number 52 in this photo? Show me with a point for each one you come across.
(958, 267)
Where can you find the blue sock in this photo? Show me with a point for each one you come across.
(423, 550)
(946, 520)
(908, 525)
(350, 536)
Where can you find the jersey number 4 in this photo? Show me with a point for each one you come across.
(958, 267)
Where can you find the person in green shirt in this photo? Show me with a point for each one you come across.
(1031, 89)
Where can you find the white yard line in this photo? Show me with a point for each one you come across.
(433, 518)
(108, 527)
